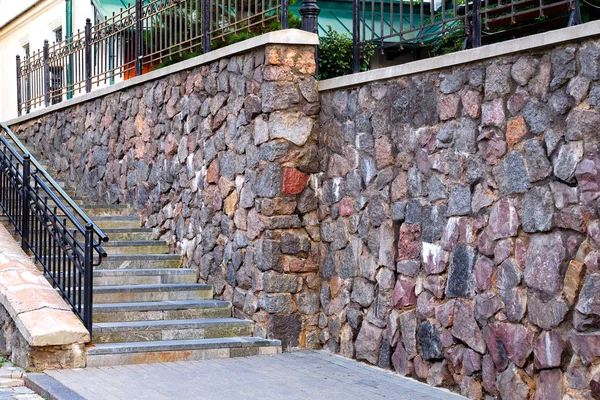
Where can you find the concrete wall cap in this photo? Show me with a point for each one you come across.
(40, 314)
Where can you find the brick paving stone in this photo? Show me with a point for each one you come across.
(290, 376)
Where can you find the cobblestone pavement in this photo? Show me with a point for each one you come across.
(301, 375)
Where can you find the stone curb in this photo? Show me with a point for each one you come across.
(50, 388)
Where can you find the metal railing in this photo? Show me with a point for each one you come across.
(134, 41)
(59, 235)
(393, 24)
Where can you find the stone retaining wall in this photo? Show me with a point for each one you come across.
(216, 158)
(443, 224)
(459, 213)
(38, 329)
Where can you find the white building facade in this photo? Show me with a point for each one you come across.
(24, 25)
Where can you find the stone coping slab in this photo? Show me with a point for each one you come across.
(39, 312)
(288, 36)
(515, 46)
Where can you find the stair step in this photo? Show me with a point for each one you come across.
(136, 247)
(105, 354)
(119, 221)
(141, 293)
(183, 329)
(161, 310)
(143, 261)
(98, 210)
(153, 276)
(129, 233)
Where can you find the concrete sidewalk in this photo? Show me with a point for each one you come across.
(301, 375)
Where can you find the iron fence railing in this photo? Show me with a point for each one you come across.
(59, 235)
(134, 41)
(389, 23)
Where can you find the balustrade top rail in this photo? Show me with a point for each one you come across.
(134, 41)
(61, 237)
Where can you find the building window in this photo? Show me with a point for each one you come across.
(26, 51)
(58, 34)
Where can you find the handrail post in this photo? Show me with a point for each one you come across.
(310, 16)
(25, 205)
(356, 35)
(284, 14)
(139, 34)
(19, 99)
(46, 74)
(88, 276)
(205, 26)
(88, 55)
(476, 34)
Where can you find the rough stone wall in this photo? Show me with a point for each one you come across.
(217, 159)
(459, 219)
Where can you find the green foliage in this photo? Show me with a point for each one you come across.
(450, 43)
(336, 52)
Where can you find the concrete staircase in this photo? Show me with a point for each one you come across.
(149, 309)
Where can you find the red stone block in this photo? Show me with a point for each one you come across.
(293, 181)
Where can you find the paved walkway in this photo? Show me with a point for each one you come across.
(301, 375)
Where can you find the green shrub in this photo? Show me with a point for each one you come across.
(336, 53)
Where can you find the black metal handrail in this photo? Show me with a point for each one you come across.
(59, 234)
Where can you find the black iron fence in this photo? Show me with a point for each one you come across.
(60, 236)
(134, 41)
(393, 24)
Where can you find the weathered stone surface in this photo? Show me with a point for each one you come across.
(515, 130)
(270, 181)
(429, 339)
(434, 221)
(404, 293)
(492, 113)
(513, 384)
(586, 345)
(484, 268)
(435, 259)
(286, 328)
(547, 314)
(497, 80)
(465, 327)
(566, 160)
(515, 303)
(408, 267)
(409, 242)
(464, 360)
(408, 330)
(504, 220)
(524, 69)
(506, 341)
(294, 181)
(589, 58)
(276, 303)
(511, 174)
(548, 350)
(363, 292)
(400, 361)
(368, 343)
(543, 262)
(460, 200)
(273, 282)
(292, 126)
(548, 385)
(589, 297)
(537, 210)
(488, 375)
(486, 305)
(461, 280)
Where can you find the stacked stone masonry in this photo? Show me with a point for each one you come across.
(217, 159)
(459, 225)
(444, 225)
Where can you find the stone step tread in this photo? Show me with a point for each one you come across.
(161, 287)
(175, 345)
(122, 243)
(115, 206)
(161, 305)
(143, 272)
(127, 230)
(142, 256)
(167, 324)
(118, 217)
